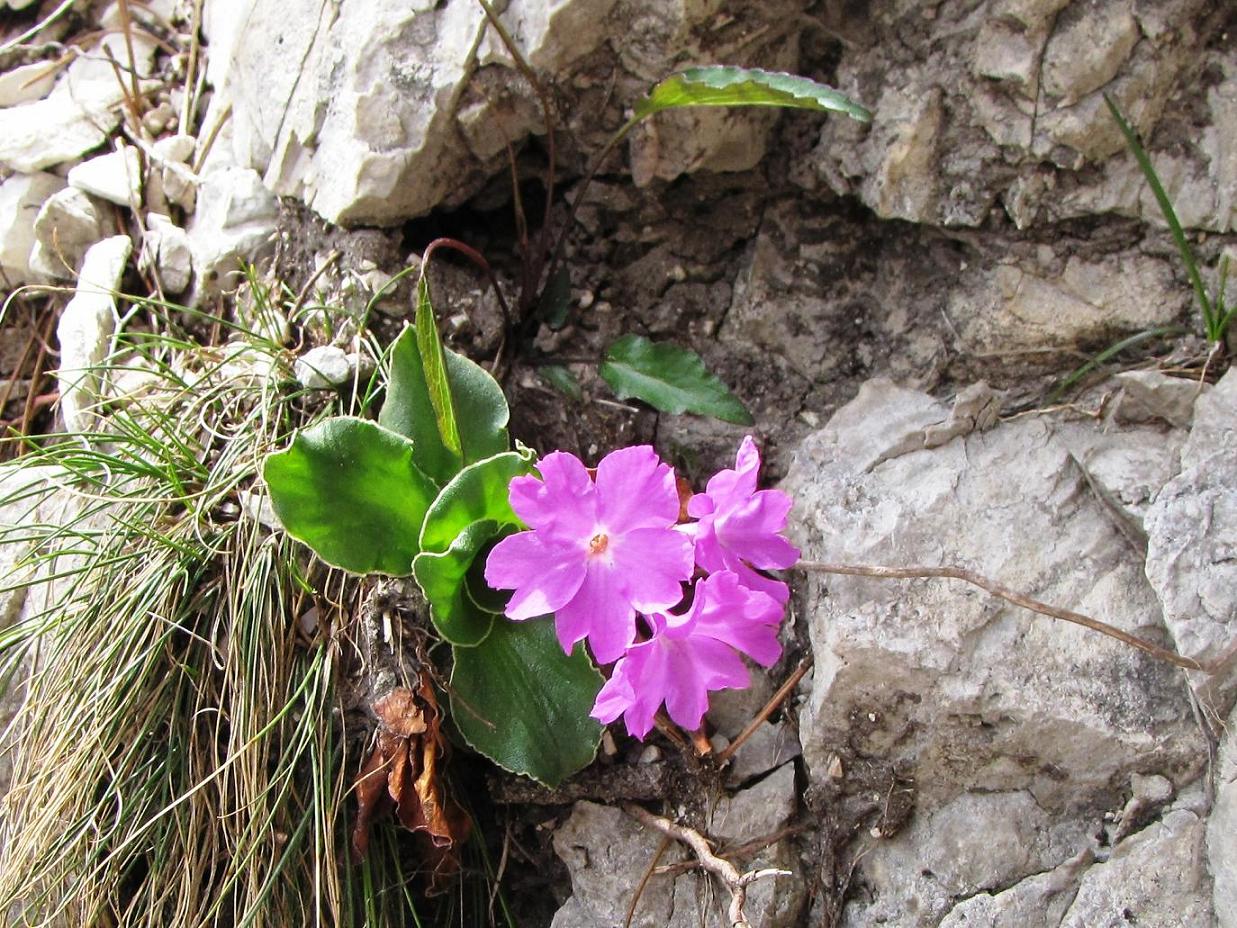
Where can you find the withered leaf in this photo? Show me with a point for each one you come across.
(403, 772)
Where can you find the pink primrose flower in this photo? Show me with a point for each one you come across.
(739, 527)
(598, 550)
(692, 654)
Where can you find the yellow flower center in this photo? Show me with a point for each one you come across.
(598, 544)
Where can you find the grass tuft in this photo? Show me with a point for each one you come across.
(183, 760)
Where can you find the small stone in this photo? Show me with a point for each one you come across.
(233, 225)
(769, 746)
(156, 120)
(115, 177)
(165, 247)
(85, 331)
(650, 755)
(28, 83)
(1147, 396)
(608, 747)
(69, 223)
(323, 368)
(758, 811)
(21, 198)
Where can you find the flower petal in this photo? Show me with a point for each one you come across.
(728, 485)
(636, 490)
(545, 575)
(651, 565)
(700, 665)
(751, 529)
(746, 620)
(600, 612)
(563, 502)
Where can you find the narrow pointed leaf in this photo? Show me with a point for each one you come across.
(728, 86)
(477, 399)
(435, 366)
(669, 378)
(523, 703)
(350, 490)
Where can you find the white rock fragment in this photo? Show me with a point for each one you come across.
(21, 198)
(170, 172)
(79, 114)
(86, 328)
(324, 367)
(165, 248)
(28, 83)
(69, 223)
(115, 177)
(234, 224)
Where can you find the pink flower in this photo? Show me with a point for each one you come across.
(692, 654)
(739, 527)
(598, 552)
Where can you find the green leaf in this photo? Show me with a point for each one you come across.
(523, 703)
(478, 402)
(435, 367)
(555, 300)
(443, 578)
(562, 380)
(350, 490)
(669, 378)
(478, 492)
(470, 512)
(727, 86)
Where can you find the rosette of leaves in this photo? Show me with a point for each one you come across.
(422, 492)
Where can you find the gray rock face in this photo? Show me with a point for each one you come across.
(1192, 529)
(974, 844)
(1222, 831)
(998, 106)
(607, 853)
(973, 694)
(234, 224)
(1154, 878)
(394, 108)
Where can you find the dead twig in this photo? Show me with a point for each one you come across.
(736, 883)
(995, 589)
(770, 707)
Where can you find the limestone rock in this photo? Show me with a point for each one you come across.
(115, 177)
(768, 747)
(971, 692)
(1154, 878)
(68, 224)
(1222, 831)
(394, 109)
(85, 330)
(1016, 305)
(1038, 900)
(998, 106)
(27, 83)
(1148, 396)
(976, 843)
(1192, 556)
(606, 853)
(21, 198)
(166, 249)
(79, 114)
(323, 368)
(234, 224)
